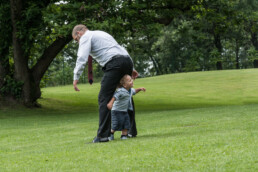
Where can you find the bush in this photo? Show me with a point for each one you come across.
(11, 87)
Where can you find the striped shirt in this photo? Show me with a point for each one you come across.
(123, 99)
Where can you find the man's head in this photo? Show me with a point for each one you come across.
(78, 31)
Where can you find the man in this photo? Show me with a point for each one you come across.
(115, 62)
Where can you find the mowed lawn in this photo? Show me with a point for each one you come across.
(198, 121)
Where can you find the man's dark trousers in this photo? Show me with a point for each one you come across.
(114, 70)
(132, 131)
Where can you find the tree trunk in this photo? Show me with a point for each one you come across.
(255, 63)
(237, 55)
(254, 40)
(48, 56)
(20, 61)
(217, 43)
(155, 64)
(22, 73)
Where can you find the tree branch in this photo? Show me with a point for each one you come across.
(49, 54)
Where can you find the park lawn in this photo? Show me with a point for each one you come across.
(198, 121)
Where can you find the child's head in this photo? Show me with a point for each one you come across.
(126, 82)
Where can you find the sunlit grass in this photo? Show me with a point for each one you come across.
(174, 91)
(201, 121)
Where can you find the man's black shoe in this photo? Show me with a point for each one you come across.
(99, 139)
(111, 137)
(131, 136)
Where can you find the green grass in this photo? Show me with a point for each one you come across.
(200, 121)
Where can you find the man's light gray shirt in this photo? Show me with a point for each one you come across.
(100, 45)
(122, 99)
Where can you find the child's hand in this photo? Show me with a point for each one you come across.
(137, 90)
(143, 89)
(109, 106)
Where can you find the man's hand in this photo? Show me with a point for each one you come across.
(134, 74)
(75, 85)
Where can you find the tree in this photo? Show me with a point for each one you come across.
(24, 33)
(215, 35)
(36, 40)
(41, 29)
(250, 8)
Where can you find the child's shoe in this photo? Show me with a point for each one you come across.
(123, 137)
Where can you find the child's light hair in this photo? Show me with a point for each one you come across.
(122, 80)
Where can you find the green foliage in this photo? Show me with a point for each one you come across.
(11, 87)
(253, 53)
(182, 48)
(5, 29)
(214, 31)
(201, 34)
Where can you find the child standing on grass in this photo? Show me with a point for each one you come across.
(119, 105)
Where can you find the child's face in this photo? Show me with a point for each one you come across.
(128, 82)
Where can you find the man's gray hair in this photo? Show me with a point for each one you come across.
(79, 27)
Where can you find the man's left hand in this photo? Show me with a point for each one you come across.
(134, 74)
(75, 85)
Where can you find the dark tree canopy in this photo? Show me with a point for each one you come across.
(34, 32)
(162, 36)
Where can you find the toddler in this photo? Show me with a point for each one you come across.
(119, 105)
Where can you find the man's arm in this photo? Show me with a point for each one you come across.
(110, 104)
(82, 59)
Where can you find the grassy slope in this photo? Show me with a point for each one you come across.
(176, 91)
(201, 121)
